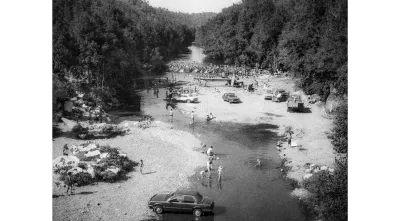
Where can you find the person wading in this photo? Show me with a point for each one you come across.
(192, 117)
(219, 174)
(141, 166)
(289, 141)
(171, 115)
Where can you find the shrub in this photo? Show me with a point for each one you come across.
(339, 133)
(330, 193)
(82, 179)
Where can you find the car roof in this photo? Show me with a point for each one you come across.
(187, 192)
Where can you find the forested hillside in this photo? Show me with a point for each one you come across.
(103, 46)
(192, 20)
(306, 37)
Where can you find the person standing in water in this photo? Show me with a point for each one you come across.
(219, 174)
(289, 141)
(192, 117)
(141, 166)
(171, 115)
(258, 163)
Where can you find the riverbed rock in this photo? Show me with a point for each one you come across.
(307, 176)
(114, 170)
(103, 155)
(90, 147)
(72, 125)
(294, 168)
(84, 125)
(90, 171)
(92, 153)
(68, 106)
(65, 160)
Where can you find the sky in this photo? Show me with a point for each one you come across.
(193, 6)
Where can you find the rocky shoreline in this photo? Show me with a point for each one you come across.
(169, 159)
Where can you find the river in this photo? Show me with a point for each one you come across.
(246, 192)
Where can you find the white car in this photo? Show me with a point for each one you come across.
(188, 98)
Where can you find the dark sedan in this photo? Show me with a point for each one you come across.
(181, 201)
(231, 98)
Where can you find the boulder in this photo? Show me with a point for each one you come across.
(89, 147)
(72, 125)
(308, 171)
(92, 153)
(307, 176)
(65, 160)
(68, 106)
(324, 168)
(114, 170)
(295, 168)
(331, 170)
(90, 171)
(75, 170)
(316, 170)
(312, 165)
(84, 125)
(73, 99)
(103, 155)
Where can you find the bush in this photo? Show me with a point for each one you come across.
(339, 133)
(330, 193)
(82, 179)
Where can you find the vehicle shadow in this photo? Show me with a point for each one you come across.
(273, 115)
(150, 172)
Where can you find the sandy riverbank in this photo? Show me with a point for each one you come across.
(310, 128)
(169, 159)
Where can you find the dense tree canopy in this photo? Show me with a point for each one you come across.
(306, 37)
(108, 44)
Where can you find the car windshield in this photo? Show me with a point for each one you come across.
(199, 197)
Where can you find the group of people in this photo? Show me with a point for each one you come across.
(209, 168)
(145, 122)
(212, 70)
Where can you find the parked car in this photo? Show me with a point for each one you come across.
(182, 201)
(231, 98)
(314, 98)
(188, 98)
(269, 94)
(280, 95)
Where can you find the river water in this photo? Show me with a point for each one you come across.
(246, 192)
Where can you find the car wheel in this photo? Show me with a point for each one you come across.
(230, 102)
(187, 101)
(158, 209)
(197, 212)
